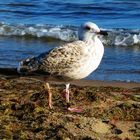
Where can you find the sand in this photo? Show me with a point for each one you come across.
(111, 110)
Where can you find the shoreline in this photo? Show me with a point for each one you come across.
(11, 73)
(81, 82)
(99, 83)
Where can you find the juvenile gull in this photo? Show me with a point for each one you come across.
(71, 61)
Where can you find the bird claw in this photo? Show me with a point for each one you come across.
(75, 109)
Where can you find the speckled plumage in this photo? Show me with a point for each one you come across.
(71, 61)
(67, 61)
(74, 60)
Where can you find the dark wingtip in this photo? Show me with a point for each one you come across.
(9, 71)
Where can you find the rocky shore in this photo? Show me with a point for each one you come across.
(111, 111)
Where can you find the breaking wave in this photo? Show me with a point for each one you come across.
(116, 37)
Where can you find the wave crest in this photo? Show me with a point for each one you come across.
(116, 37)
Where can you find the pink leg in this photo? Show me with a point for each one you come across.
(47, 87)
(75, 109)
(67, 93)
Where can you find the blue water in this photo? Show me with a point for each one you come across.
(24, 23)
(106, 13)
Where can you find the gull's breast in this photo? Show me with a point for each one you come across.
(87, 64)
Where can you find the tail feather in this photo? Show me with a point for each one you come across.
(28, 66)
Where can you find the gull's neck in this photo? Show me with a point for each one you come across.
(90, 39)
(87, 37)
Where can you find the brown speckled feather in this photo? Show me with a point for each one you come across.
(63, 59)
(74, 60)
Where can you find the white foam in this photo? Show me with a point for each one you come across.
(136, 38)
(116, 37)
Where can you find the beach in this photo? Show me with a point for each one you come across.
(111, 110)
(30, 28)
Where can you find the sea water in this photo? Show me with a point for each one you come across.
(30, 27)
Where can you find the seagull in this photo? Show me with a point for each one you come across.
(71, 61)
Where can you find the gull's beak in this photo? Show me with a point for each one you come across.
(103, 32)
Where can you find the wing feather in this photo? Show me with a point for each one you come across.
(63, 58)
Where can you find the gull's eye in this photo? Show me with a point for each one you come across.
(87, 27)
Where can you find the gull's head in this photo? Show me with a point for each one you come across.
(87, 31)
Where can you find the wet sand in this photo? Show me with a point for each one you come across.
(111, 110)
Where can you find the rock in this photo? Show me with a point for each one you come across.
(100, 127)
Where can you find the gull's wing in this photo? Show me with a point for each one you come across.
(58, 61)
(63, 58)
